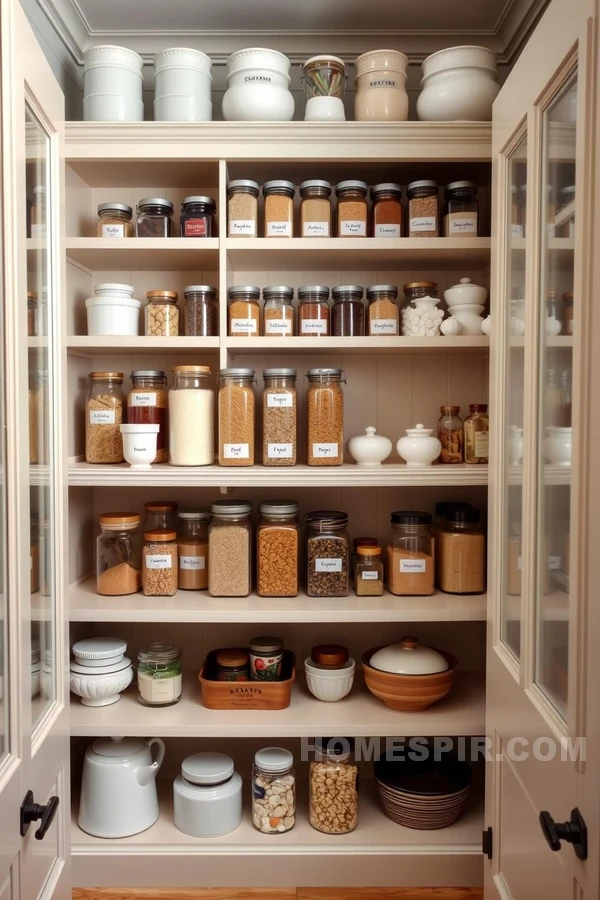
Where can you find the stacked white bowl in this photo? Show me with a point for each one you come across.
(182, 88)
(112, 85)
(466, 302)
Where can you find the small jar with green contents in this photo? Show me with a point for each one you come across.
(159, 675)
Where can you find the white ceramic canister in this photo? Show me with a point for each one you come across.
(113, 310)
(207, 796)
(381, 87)
(458, 84)
(182, 87)
(112, 84)
(370, 448)
(419, 447)
(258, 83)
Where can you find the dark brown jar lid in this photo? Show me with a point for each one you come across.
(330, 655)
(232, 659)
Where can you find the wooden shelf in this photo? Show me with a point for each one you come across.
(360, 714)
(372, 344)
(80, 344)
(85, 605)
(144, 254)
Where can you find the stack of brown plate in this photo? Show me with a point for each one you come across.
(423, 794)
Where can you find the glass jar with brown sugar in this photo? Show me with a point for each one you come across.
(313, 310)
(386, 210)
(460, 553)
(351, 209)
(315, 208)
(279, 208)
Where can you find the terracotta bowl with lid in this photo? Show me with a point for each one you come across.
(408, 677)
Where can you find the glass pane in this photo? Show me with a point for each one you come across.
(4, 686)
(43, 678)
(515, 327)
(556, 359)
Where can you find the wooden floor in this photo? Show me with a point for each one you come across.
(449, 893)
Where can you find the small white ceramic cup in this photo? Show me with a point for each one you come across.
(139, 444)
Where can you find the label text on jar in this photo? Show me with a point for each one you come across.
(242, 226)
(353, 227)
(159, 561)
(387, 231)
(142, 398)
(319, 450)
(278, 400)
(236, 451)
(315, 229)
(192, 562)
(423, 223)
(278, 326)
(280, 451)
(248, 326)
(102, 417)
(328, 565)
(279, 229)
(384, 326)
(413, 565)
(313, 326)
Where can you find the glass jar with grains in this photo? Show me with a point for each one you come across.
(273, 791)
(191, 417)
(278, 312)
(192, 550)
(118, 550)
(477, 434)
(461, 211)
(450, 434)
(147, 405)
(410, 554)
(198, 217)
(104, 415)
(201, 311)
(313, 310)
(383, 310)
(423, 209)
(460, 553)
(159, 675)
(327, 554)
(162, 314)
(277, 549)
(159, 563)
(386, 214)
(315, 208)
(242, 208)
(230, 549)
(114, 220)
(333, 792)
(352, 215)
(279, 208)
(279, 417)
(236, 417)
(160, 514)
(244, 311)
(154, 218)
(348, 311)
(369, 572)
(325, 412)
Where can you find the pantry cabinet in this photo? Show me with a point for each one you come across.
(525, 648)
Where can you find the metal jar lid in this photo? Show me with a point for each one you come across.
(351, 185)
(169, 296)
(237, 373)
(461, 185)
(155, 201)
(278, 508)
(324, 373)
(160, 653)
(250, 289)
(106, 376)
(410, 517)
(148, 373)
(382, 289)
(341, 289)
(319, 289)
(280, 373)
(284, 187)
(266, 644)
(208, 201)
(423, 183)
(315, 183)
(386, 187)
(278, 290)
(274, 760)
(243, 185)
(200, 289)
(195, 515)
(116, 207)
(207, 768)
(231, 508)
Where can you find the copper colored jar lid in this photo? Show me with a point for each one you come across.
(232, 659)
(162, 295)
(114, 518)
(105, 376)
(31, 295)
(160, 506)
(330, 655)
(160, 534)
(191, 370)
(419, 284)
(453, 410)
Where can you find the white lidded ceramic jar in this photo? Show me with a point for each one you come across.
(182, 86)
(100, 685)
(207, 796)
(118, 788)
(370, 448)
(139, 444)
(558, 445)
(112, 84)
(419, 447)
(465, 293)
(258, 82)
(458, 84)
(409, 658)
(515, 445)
(381, 87)
(113, 310)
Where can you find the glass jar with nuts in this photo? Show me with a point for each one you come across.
(162, 314)
(273, 791)
(333, 796)
(450, 434)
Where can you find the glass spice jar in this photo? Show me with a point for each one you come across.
(201, 311)
(244, 311)
(313, 311)
(348, 311)
(460, 553)
(327, 554)
(423, 209)
(277, 549)
(410, 554)
(230, 549)
(477, 434)
(383, 309)
(273, 779)
(278, 312)
(233, 665)
(461, 210)
(356, 543)
(352, 215)
(450, 434)
(242, 208)
(279, 208)
(386, 215)
(333, 786)
(159, 563)
(114, 220)
(104, 415)
(159, 675)
(118, 554)
(279, 417)
(369, 572)
(198, 217)
(315, 208)
(32, 314)
(161, 314)
(147, 404)
(192, 550)
(191, 417)
(236, 417)
(154, 218)
(160, 514)
(325, 412)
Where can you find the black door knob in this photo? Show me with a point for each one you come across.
(32, 812)
(573, 832)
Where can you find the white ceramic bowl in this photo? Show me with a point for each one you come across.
(465, 293)
(329, 685)
(459, 84)
(558, 446)
(112, 108)
(324, 109)
(465, 55)
(258, 83)
(100, 688)
(182, 108)
(139, 444)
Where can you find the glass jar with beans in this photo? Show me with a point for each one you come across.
(230, 549)
(201, 311)
(423, 212)
(242, 208)
(327, 554)
(159, 563)
(279, 417)
(162, 314)
(313, 311)
(279, 208)
(325, 411)
(352, 215)
(273, 791)
(236, 417)
(348, 311)
(278, 312)
(333, 786)
(277, 549)
(386, 210)
(244, 311)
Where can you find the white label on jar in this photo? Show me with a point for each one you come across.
(159, 690)
(142, 398)
(423, 223)
(386, 231)
(279, 229)
(113, 231)
(413, 565)
(192, 562)
(320, 450)
(315, 229)
(242, 226)
(278, 400)
(102, 417)
(516, 231)
(38, 231)
(159, 561)
(248, 326)
(313, 326)
(459, 224)
(353, 227)
(384, 326)
(382, 83)
(328, 565)
(482, 444)
(280, 451)
(236, 451)
(278, 326)
(554, 563)
(369, 576)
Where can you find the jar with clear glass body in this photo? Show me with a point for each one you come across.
(369, 572)
(191, 417)
(477, 434)
(114, 220)
(159, 563)
(315, 208)
(461, 210)
(383, 309)
(230, 549)
(325, 413)
(242, 208)
(313, 311)
(244, 311)
(386, 215)
(279, 417)
(356, 543)
(279, 208)
(104, 415)
(192, 549)
(277, 549)
(32, 314)
(201, 311)
(450, 434)
(423, 212)
(147, 403)
(273, 779)
(410, 555)
(327, 554)
(333, 786)
(198, 217)
(348, 311)
(160, 514)
(278, 312)
(161, 314)
(418, 319)
(154, 218)
(236, 417)
(159, 675)
(352, 209)
(460, 553)
(118, 554)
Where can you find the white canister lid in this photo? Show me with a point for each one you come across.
(92, 671)
(274, 759)
(99, 651)
(409, 658)
(207, 768)
(105, 286)
(117, 747)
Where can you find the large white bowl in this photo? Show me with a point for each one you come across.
(98, 689)
(329, 685)
(459, 84)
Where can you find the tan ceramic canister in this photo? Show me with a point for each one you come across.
(381, 87)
